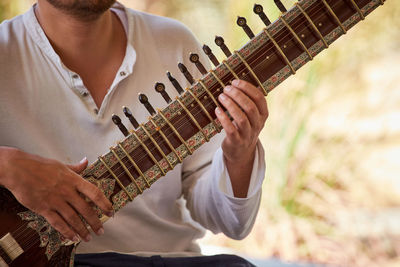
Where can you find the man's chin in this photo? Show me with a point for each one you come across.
(83, 9)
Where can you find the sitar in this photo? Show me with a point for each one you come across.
(170, 135)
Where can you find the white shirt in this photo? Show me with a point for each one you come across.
(45, 109)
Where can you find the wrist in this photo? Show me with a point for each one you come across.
(6, 157)
(244, 158)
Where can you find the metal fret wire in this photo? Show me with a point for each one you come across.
(116, 178)
(296, 37)
(35, 241)
(160, 131)
(209, 93)
(358, 9)
(148, 151)
(334, 16)
(230, 69)
(157, 146)
(126, 169)
(251, 71)
(175, 132)
(312, 24)
(203, 108)
(134, 165)
(192, 118)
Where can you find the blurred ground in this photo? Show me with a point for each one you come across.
(332, 189)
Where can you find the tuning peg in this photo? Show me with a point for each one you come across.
(259, 10)
(242, 22)
(129, 115)
(221, 43)
(175, 83)
(160, 88)
(145, 101)
(194, 58)
(185, 72)
(207, 50)
(117, 121)
(281, 7)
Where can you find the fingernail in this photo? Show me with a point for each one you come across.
(76, 239)
(109, 213)
(227, 89)
(218, 110)
(222, 97)
(83, 160)
(100, 231)
(88, 238)
(235, 82)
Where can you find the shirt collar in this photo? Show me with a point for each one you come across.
(39, 37)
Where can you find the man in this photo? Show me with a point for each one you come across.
(65, 67)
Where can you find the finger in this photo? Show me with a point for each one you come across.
(88, 213)
(72, 218)
(237, 114)
(230, 129)
(80, 167)
(95, 195)
(245, 103)
(58, 223)
(254, 93)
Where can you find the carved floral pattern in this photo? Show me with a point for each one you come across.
(49, 237)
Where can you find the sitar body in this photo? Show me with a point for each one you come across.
(30, 245)
(156, 147)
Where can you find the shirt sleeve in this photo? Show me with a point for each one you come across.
(209, 194)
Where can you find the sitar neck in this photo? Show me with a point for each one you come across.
(175, 132)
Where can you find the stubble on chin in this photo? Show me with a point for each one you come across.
(85, 10)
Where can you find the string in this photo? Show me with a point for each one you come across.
(198, 110)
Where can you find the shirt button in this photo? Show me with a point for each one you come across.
(96, 111)
(122, 73)
(75, 76)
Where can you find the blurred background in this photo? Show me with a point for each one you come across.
(332, 141)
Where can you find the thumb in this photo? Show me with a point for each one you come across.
(80, 167)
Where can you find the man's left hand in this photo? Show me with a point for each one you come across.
(248, 108)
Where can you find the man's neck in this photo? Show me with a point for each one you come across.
(71, 36)
(92, 48)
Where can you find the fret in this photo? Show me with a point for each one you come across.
(280, 51)
(126, 170)
(134, 165)
(203, 108)
(334, 16)
(116, 178)
(209, 93)
(158, 147)
(296, 37)
(230, 69)
(175, 131)
(252, 72)
(218, 79)
(358, 9)
(148, 151)
(312, 25)
(192, 118)
(166, 140)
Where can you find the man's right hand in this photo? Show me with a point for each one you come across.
(55, 191)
